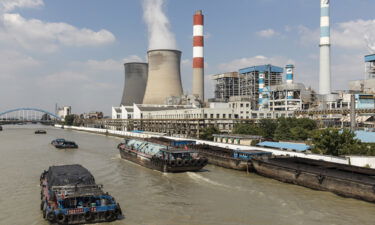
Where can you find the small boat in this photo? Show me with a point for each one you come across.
(67, 144)
(161, 157)
(344, 180)
(70, 195)
(57, 141)
(230, 158)
(40, 132)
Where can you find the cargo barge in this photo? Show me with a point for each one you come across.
(161, 157)
(230, 158)
(344, 180)
(70, 195)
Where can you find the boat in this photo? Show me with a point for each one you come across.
(161, 157)
(66, 144)
(69, 195)
(344, 180)
(57, 141)
(230, 158)
(40, 132)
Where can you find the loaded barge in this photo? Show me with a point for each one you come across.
(70, 195)
(161, 157)
(343, 180)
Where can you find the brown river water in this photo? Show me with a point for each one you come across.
(214, 196)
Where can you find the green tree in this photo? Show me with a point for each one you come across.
(69, 119)
(267, 127)
(282, 131)
(332, 141)
(247, 128)
(207, 133)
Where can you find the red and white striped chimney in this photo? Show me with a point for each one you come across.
(198, 60)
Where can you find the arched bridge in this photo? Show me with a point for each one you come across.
(27, 114)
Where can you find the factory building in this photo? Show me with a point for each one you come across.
(226, 86)
(367, 85)
(254, 79)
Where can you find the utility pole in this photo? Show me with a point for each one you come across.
(352, 113)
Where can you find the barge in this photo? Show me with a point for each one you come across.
(40, 132)
(344, 180)
(70, 195)
(161, 157)
(230, 158)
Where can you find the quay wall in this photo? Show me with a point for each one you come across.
(368, 161)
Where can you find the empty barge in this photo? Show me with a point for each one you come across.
(230, 158)
(344, 180)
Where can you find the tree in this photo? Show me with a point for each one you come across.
(207, 133)
(335, 142)
(69, 119)
(267, 127)
(247, 128)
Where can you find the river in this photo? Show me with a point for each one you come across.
(214, 196)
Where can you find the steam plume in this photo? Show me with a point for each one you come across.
(159, 33)
(370, 42)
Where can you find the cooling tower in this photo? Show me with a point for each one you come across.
(135, 83)
(164, 79)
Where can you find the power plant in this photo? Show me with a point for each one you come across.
(254, 92)
(198, 55)
(325, 51)
(135, 83)
(164, 77)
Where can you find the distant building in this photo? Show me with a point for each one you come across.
(237, 139)
(64, 111)
(92, 115)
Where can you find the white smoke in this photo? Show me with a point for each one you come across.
(370, 43)
(159, 33)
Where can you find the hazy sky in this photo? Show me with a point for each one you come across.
(71, 52)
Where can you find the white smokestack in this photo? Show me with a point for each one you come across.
(159, 33)
(325, 50)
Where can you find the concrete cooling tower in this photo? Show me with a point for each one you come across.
(135, 83)
(164, 79)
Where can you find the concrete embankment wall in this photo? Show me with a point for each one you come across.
(352, 160)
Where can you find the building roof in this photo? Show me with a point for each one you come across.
(285, 145)
(239, 136)
(370, 58)
(262, 68)
(365, 136)
(162, 108)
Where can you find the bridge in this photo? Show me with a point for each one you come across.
(21, 115)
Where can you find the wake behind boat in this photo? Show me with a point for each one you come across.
(161, 157)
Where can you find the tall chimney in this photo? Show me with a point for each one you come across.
(289, 73)
(198, 59)
(325, 45)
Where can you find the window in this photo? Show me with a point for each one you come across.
(211, 116)
(224, 116)
(205, 115)
(247, 105)
(230, 116)
(217, 116)
(241, 105)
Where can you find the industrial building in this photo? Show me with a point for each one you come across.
(251, 93)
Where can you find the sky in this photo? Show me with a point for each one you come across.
(72, 52)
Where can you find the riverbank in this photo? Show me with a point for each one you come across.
(362, 161)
